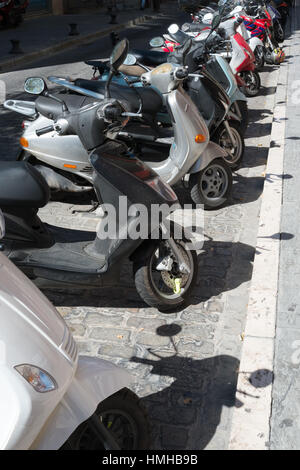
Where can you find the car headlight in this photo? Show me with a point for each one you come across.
(38, 378)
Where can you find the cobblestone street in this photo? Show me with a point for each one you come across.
(185, 363)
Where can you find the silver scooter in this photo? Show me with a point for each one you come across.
(191, 155)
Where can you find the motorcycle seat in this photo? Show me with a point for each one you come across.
(21, 185)
(51, 109)
(150, 98)
(148, 57)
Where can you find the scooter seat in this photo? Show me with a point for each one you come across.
(150, 98)
(21, 185)
(148, 57)
(51, 109)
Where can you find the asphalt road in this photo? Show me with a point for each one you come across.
(68, 63)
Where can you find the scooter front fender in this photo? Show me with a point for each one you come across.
(211, 152)
(95, 380)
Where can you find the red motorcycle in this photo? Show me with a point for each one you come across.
(12, 11)
(260, 24)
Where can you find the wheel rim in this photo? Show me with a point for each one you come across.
(214, 182)
(163, 281)
(121, 425)
(234, 152)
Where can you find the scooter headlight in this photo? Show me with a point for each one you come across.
(39, 379)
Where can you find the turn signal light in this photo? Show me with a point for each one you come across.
(70, 166)
(24, 142)
(200, 138)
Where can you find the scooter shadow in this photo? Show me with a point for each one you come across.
(215, 276)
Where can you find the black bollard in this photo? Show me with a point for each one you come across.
(16, 49)
(114, 37)
(113, 15)
(73, 29)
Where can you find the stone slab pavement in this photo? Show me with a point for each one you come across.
(184, 364)
(285, 420)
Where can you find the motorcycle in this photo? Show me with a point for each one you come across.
(164, 266)
(258, 22)
(51, 398)
(11, 12)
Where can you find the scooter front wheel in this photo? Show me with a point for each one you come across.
(259, 57)
(235, 152)
(124, 416)
(166, 289)
(212, 186)
(253, 83)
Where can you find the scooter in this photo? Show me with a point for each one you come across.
(242, 59)
(11, 12)
(164, 261)
(202, 19)
(185, 153)
(226, 118)
(51, 398)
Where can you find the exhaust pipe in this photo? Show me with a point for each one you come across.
(58, 182)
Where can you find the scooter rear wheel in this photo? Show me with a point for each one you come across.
(158, 288)
(212, 186)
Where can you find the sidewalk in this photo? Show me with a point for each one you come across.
(269, 381)
(49, 34)
(285, 420)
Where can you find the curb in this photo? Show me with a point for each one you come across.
(250, 429)
(7, 65)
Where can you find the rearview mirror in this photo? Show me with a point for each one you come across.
(130, 60)
(119, 54)
(2, 225)
(35, 85)
(157, 42)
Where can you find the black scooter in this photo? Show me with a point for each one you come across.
(165, 268)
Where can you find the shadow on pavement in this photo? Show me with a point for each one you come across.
(215, 263)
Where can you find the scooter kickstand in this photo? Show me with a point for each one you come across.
(95, 206)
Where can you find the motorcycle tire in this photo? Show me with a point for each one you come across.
(212, 186)
(155, 287)
(253, 83)
(278, 32)
(222, 138)
(124, 416)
